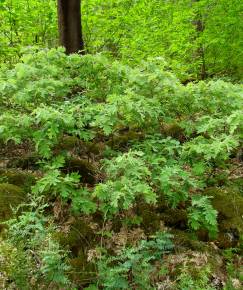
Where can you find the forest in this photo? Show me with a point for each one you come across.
(121, 133)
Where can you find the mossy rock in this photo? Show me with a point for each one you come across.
(83, 167)
(237, 185)
(229, 205)
(69, 143)
(24, 162)
(186, 240)
(175, 218)
(123, 139)
(152, 218)
(82, 271)
(17, 177)
(78, 238)
(10, 197)
(173, 130)
(95, 148)
(151, 221)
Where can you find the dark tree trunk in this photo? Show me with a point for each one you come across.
(69, 22)
(199, 25)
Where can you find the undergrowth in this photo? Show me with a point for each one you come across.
(145, 139)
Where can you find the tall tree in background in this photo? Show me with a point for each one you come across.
(70, 28)
(199, 26)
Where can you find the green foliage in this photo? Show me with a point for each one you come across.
(159, 143)
(216, 148)
(64, 186)
(37, 259)
(127, 179)
(145, 99)
(15, 266)
(198, 38)
(53, 267)
(25, 23)
(176, 184)
(154, 115)
(132, 266)
(203, 215)
(234, 275)
(195, 36)
(201, 281)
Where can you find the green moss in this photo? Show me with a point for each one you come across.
(77, 238)
(237, 185)
(10, 196)
(229, 204)
(123, 139)
(175, 217)
(173, 130)
(20, 178)
(150, 219)
(24, 162)
(68, 143)
(185, 240)
(71, 142)
(95, 148)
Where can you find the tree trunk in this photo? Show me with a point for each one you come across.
(199, 25)
(69, 22)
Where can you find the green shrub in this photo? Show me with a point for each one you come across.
(132, 266)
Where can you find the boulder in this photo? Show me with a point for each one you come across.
(10, 197)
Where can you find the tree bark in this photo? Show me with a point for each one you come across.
(199, 25)
(70, 28)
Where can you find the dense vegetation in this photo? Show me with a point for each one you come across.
(199, 39)
(121, 168)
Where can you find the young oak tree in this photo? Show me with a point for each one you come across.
(69, 23)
